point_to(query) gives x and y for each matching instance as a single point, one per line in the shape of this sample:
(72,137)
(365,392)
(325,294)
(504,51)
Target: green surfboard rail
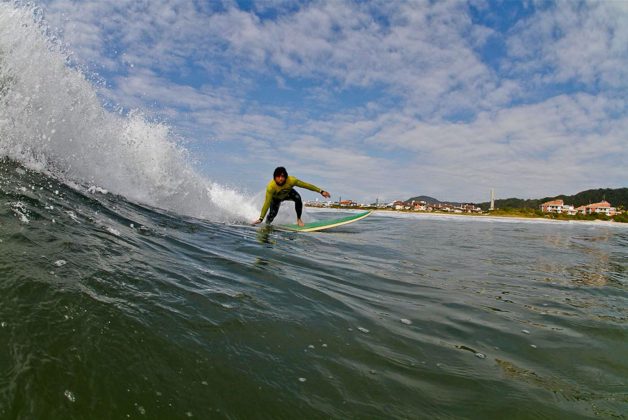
(325,224)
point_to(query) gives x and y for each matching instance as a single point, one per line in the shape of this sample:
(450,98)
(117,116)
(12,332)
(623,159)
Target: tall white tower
(492,199)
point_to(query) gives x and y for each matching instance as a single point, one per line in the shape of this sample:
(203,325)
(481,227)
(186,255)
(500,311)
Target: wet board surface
(324,224)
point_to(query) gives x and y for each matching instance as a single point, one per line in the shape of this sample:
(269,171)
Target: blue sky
(367,99)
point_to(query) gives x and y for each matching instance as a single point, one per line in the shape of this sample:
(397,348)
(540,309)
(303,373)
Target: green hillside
(427,199)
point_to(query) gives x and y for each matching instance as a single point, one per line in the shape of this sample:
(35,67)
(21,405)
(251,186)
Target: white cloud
(425,54)
(200,66)
(583,42)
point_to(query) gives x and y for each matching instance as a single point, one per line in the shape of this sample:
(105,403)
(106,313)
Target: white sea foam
(69,395)
(52,120)
(94,189)
(112,231)
(19,209)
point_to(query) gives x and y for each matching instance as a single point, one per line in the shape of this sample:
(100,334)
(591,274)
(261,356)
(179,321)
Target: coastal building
(603,207)
(470,208)
(399,205)
(558,206)
(347,203)
(419,206)
(554,206)
(318,203)
(570,210)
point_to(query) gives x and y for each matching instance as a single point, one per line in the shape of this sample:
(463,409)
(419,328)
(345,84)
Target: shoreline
(486,217)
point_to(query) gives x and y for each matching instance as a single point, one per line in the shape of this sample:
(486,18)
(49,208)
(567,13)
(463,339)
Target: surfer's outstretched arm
(267,201)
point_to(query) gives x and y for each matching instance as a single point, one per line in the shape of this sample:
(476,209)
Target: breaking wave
(52,121)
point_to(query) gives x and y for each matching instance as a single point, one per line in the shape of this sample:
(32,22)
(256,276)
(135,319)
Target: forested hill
(618,197)
(427,199)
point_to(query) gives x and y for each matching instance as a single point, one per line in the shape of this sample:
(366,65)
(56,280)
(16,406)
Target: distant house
(558,206)
(418,206)
(470,208)
(444,207)
(554,206)
(570,210)
(595,208)
(347,203)
(399,205)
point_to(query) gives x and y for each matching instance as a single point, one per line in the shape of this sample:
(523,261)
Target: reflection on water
(595,269)
(264,235)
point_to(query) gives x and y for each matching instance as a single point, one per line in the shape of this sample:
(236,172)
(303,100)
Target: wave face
(52,120)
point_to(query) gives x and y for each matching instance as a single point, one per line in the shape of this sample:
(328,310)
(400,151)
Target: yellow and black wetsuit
(275,194)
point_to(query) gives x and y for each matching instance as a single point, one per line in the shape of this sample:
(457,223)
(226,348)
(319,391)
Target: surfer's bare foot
(300,222)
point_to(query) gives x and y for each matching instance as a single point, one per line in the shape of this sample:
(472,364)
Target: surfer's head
(280,175)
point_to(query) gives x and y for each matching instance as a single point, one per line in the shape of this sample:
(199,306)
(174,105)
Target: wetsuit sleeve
(310,187)
(269,197)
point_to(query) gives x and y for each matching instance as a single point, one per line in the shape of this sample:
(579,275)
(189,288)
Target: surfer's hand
(257,222)
(325,194)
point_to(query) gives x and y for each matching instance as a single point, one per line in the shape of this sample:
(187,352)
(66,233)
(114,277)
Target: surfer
(281,189)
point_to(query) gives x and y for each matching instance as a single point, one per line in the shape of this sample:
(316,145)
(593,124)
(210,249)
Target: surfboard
(324,224)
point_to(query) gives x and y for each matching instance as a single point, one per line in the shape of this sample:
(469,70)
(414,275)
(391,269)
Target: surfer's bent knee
(298,203)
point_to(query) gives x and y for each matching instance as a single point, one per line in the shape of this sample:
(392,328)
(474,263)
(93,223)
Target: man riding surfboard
(281,189)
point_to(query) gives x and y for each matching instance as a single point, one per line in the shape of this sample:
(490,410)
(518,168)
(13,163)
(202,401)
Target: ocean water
(110,309)
(132,287)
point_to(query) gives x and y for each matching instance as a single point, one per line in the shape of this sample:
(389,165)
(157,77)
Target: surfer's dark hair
(280,170)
